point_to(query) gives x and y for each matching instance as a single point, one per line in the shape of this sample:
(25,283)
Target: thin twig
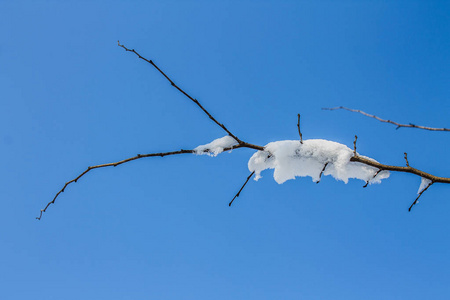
(388,121)
(321,172)
(182,91)
(115,164)
(299,132)
(354,145)
(406,159)
(238,193)
(420,194)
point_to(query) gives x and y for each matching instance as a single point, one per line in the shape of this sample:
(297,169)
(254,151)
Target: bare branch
(354,145)
(115,164)
(182,91)
(238,193)
(299,132)
(420,194)
(388,121)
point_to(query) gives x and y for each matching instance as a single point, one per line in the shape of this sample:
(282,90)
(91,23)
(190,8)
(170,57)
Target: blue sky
(160,228)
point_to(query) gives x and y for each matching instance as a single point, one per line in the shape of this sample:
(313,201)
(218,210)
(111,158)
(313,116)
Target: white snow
(216,147)
(423,184)
(290,159)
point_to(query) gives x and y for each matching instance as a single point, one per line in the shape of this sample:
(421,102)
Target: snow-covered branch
(289,159)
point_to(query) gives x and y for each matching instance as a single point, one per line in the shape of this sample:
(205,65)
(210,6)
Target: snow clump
(290,159)
(216,147)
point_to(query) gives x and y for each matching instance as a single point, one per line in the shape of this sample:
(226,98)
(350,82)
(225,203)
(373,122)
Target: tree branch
(242,144)
(388,121)
(182,91)
(115,164)
(411,170)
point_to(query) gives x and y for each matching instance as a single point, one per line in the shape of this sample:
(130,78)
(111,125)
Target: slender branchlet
(182,91)
(321,172)
(115,164)
(238,193)
(354,145)
(388,121)
(420,194)
(299,131)
(406,159)
(373,177)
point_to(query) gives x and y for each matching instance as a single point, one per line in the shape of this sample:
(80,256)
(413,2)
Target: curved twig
(115,164)
(388,121)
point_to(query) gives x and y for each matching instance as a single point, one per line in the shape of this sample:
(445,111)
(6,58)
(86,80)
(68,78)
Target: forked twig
(388,121)
(238,193)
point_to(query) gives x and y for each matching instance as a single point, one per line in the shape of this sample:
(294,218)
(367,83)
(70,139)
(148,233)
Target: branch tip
(410,125)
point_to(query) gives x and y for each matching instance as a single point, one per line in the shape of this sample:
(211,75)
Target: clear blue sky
(160,228)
